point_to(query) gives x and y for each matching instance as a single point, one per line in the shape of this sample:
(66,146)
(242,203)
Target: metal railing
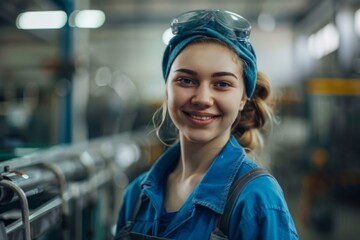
(54,185)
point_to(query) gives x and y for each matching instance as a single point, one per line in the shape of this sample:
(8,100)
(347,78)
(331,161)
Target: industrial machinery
(70,191)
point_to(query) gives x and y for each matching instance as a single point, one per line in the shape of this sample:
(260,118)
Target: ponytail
(256,114)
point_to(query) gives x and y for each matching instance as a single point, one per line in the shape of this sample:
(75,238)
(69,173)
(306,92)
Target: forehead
(210,55)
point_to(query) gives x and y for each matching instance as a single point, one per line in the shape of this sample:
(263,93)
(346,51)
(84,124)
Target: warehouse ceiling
(9,10)
(158,11)
(24,52)
(123,11)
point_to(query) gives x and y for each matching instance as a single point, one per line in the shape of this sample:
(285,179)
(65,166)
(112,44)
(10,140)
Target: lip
(201,118)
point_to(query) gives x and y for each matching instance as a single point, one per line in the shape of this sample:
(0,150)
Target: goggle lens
(230,24)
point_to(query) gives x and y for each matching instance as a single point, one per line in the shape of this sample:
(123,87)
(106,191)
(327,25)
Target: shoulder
(262,209)
(133,189)
(263,192)
(130,198)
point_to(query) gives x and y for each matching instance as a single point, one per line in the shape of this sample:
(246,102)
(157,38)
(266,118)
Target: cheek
(230,105)
(173,102)
(169,95)
(177,96)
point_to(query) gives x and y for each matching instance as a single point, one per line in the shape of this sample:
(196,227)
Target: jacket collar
(213,189)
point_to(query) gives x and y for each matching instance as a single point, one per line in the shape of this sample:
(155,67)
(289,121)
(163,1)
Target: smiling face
(205,92)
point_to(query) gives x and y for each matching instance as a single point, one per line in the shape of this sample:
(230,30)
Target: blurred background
(80,81)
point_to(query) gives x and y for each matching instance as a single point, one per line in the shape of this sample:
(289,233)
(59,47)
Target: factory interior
(78,93)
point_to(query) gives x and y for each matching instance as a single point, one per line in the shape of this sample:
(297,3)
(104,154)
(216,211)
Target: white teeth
(200,118)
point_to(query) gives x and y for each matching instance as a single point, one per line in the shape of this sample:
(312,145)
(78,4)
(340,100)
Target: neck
(196,158)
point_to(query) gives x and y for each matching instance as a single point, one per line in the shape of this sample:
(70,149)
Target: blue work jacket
(260,213)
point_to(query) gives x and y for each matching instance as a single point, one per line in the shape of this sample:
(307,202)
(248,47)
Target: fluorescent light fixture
(324,41)
(41,20)
(167,35)
(357,22)
(89,18)
(266,22)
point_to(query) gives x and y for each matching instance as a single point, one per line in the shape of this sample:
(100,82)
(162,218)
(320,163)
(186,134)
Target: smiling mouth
(201,117)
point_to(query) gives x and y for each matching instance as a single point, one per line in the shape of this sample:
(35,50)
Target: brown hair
(253,119)
(250,121)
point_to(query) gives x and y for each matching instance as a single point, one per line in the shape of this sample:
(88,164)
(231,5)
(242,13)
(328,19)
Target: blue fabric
(243,48)
(260,213)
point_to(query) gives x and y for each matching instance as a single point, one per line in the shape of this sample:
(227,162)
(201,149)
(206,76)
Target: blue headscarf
(242,48)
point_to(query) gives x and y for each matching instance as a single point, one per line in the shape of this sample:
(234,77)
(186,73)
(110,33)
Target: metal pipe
(63,189)
(31,180)
(24,206)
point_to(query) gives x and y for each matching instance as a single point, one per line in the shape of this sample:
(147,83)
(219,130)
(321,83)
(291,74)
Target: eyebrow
(217,74)
(220,74)
(188,71)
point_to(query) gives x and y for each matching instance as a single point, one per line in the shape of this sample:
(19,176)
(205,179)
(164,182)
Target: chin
(201,137)
(197,137)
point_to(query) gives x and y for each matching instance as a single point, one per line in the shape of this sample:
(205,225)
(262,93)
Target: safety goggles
(230,24)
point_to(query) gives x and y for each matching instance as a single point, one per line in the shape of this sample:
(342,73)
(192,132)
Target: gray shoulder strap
(224,221)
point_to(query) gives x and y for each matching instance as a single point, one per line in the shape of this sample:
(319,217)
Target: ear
(242,104)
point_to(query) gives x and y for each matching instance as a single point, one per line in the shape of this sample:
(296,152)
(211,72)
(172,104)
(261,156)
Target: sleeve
(130,198)
(261,212)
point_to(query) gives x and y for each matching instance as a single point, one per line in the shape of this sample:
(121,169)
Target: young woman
(217,101)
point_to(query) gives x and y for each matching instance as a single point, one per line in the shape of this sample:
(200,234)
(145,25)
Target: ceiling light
(89,18)
(357,22)
(324,41)
(41,20)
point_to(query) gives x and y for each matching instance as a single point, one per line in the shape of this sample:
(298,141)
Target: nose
(203,96)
